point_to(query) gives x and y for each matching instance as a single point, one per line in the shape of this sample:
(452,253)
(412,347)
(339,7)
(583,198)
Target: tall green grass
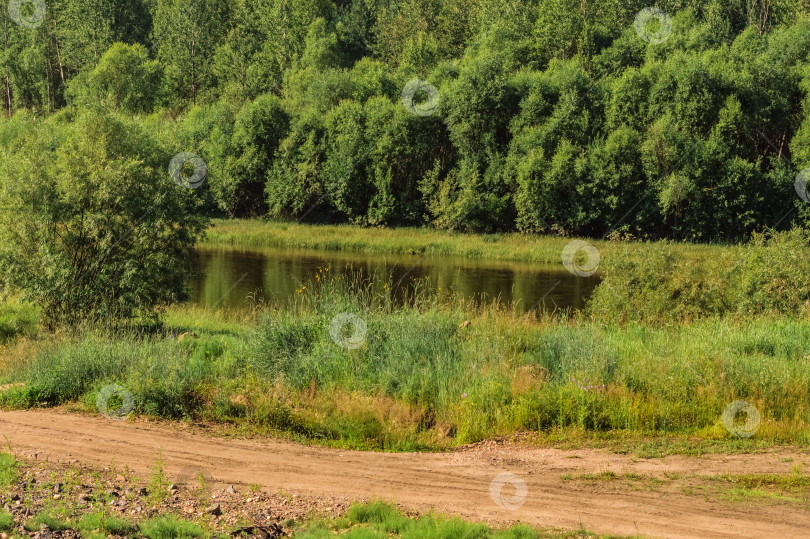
(6,521)
(382,520)
(167,527)
(508,246)
(418,380)
(17,320)
(8,469)
(501,377)
(167,378)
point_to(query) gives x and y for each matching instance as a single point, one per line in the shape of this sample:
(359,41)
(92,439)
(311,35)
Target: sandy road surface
(457,483)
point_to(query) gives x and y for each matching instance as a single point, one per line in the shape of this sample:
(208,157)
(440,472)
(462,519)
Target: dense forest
(686,120)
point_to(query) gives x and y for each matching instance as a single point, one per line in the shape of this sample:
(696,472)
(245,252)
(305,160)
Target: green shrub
(46,517)
(8,469)
(102,246)
(6,521)
(655,285)
(17,320)
(769,275)
(125,77)
(170,528)
(109,525)
(773,275)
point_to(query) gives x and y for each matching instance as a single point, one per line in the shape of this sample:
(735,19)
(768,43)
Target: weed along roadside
(75,501)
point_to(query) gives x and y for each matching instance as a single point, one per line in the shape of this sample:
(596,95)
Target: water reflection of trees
(230,276)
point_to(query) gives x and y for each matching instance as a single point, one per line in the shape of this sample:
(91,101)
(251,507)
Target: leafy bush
(656,286)
(257,132)
(92,224)
(773,276)
(769,275)
(125,77)
(16,320)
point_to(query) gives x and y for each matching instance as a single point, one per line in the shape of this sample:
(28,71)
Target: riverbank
(420,241)
(345,367)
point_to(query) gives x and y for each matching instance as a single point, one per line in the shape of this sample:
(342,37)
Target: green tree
(31,75)
(92,224)
(295,187)
(259,128)
(85,30)
(186,34)
(124,77)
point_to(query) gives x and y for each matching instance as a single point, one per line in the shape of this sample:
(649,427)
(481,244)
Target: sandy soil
(463,482)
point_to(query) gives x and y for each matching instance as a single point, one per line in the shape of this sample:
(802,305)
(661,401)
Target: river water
(228,277)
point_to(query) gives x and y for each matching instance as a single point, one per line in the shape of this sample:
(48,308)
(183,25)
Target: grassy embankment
(514,247)
(666,344)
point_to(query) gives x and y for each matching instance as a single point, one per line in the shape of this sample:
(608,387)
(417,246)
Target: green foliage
(207,130)
(186,33)
(158,485)
(109,525)
(773,276)
(46,517)
(6,521)
(17,320)
(257,132)
(170,528)
(8,470)
(768,276)
(658,286)
(550,116)
(171,389)
(87,28)
(92,223)
(125,78)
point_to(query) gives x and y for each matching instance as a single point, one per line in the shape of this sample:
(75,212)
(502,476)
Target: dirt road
(459,483)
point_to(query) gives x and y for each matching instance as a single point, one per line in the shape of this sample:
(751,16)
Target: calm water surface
(230,277)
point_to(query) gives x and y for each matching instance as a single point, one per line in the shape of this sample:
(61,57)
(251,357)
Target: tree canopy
(688,120)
